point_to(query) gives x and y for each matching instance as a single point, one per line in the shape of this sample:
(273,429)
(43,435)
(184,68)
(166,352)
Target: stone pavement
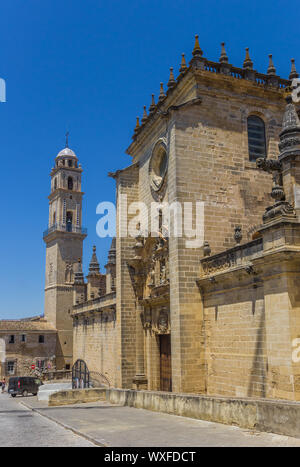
(21,427)
(113,425)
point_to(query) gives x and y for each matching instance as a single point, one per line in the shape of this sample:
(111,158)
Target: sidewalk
(113,425)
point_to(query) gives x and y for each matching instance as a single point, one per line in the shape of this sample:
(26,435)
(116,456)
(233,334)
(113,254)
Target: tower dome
(66,152)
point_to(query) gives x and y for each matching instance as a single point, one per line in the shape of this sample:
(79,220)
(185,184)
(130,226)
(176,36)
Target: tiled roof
(22,325)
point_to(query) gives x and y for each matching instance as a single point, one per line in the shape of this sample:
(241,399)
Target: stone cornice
(60,191)
(65,168)
(62,233)
(115,175)
(172,97)
(260,84)
(95,305)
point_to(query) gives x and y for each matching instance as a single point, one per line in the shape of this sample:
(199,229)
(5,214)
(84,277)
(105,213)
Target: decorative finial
(290,121)
(145,116)
(197,50)
(290,134)
(162,92)
(183,66)
(223,57)
(67,139)
(171,82)
(94,265)
(152,106)
(137,126)
(248,64)
(271,67)
(293,73)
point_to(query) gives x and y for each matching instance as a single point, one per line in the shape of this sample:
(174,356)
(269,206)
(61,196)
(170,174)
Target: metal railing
(65,228)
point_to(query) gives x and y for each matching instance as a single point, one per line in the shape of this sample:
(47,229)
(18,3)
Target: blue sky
(90,66)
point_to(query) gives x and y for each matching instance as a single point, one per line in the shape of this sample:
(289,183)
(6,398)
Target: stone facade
(26,343)
(95,338)
(216,317)
(95,331)
(250,293)
(202,124)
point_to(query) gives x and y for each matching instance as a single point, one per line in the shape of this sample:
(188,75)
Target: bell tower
(64,238)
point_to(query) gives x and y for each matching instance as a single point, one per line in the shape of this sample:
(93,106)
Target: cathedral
(220,318)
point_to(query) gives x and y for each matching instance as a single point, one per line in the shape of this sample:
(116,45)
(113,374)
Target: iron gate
(80,375)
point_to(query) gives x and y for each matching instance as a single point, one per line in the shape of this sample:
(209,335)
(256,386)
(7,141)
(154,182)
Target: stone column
(139,380)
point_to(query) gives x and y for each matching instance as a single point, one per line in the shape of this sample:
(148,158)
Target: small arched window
(55,183)
(70,183)
(69,221)
(54,218)
(256,138)
(70,162)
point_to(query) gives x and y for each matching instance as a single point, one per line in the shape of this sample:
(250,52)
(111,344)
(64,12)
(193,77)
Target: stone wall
(207,144)
(235,342)
(95,342)
(254,414)
(251,309)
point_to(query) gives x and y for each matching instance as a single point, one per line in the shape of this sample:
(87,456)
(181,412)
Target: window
(67,366)
(11,339)
(10,367)
(23,338)
(69,162)
(256,138)
(41,339)
(55,183)
(158,166)
(70,183)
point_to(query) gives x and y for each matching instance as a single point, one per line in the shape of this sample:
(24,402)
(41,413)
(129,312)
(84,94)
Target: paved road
(114,425)
(22,427)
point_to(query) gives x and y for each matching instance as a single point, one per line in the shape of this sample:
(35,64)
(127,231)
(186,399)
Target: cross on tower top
(67,139)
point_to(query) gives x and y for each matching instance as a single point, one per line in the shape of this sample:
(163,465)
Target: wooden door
(165,363)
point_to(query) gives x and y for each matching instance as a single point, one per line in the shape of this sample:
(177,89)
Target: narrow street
(22,427)
(117,426)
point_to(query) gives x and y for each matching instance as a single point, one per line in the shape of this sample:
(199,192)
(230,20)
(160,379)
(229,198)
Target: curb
(67,427)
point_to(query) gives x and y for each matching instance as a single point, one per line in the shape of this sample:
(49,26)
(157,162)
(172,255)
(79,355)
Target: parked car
(23,385)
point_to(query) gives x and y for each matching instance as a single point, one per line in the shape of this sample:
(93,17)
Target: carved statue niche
(163,322)
(147,318)
(69,272)
(162,271)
